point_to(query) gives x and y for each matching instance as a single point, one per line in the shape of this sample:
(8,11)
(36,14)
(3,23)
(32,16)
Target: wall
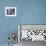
(28,12)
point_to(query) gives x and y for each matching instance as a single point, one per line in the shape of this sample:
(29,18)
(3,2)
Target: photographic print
(10,11)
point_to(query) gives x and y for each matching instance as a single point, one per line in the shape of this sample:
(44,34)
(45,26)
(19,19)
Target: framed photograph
(10,11)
